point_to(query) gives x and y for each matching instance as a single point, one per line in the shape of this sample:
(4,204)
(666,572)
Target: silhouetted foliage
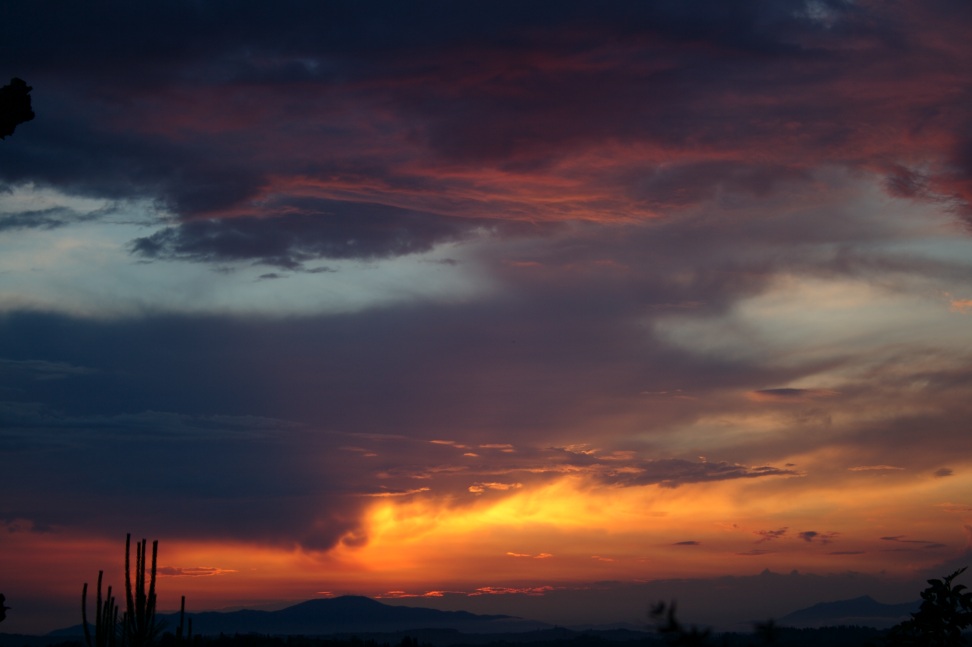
(667,624)
(15,106)
(945,612)
(767,633)
(3,607)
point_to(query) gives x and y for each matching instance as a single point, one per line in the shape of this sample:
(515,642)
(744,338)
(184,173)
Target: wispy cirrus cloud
(193,571)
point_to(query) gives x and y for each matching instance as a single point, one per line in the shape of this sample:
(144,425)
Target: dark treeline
(781,637)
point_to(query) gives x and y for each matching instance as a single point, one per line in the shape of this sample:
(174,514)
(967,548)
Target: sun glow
(535,531)
(571,529)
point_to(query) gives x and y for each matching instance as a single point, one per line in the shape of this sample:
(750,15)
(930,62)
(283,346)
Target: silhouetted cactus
(181,632)
(106,617)
(138,625)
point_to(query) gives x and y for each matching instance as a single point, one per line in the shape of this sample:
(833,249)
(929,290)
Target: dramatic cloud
(487,301)
(341,231)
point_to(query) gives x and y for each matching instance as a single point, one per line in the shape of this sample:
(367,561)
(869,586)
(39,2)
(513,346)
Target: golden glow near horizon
(569,529)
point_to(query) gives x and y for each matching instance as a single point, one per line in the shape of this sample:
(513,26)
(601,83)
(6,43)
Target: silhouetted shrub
(945,612)
(667,624)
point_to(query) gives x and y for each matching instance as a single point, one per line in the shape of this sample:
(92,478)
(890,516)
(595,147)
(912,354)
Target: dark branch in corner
(15,106)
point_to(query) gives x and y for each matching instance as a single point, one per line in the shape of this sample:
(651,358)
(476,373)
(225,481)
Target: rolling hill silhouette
(864,611)
(340,615)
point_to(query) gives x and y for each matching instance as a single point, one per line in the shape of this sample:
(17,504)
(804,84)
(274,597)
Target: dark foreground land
(781,637)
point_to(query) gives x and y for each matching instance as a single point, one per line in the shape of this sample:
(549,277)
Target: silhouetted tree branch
(14,106)
(667,624)
(945,612)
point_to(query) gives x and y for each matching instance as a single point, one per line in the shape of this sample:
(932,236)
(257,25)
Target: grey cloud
(177,475)
(791,394)
(42,369)
(770,535)
(332,230)
(191,571)
(500,470)
(810,536)
(907,183)
(920,544)
(691,183)
(673,473)
(43,219)
(297,78)
(269,480)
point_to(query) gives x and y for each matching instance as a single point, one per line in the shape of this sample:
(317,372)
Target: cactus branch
(105,619)
(140,627)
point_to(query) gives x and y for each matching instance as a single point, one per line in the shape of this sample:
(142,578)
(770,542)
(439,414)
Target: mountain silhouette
(340,615)
(864,611)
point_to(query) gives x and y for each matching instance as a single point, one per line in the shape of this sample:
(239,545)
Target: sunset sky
(543,308)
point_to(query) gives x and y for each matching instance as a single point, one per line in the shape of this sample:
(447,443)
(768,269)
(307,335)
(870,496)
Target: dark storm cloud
(565,348)
(342,230)
(264,480)
(210,436)
(411,359)
(180,475)
(371,130)
(511,466)
(214,111)
(50,217)
(673,473)
(41,219)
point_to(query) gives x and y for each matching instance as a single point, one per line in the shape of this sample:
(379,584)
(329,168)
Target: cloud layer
(537,294)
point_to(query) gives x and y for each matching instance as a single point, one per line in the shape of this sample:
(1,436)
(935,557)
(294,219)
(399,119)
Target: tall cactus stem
(140,626)
(180,631)
(105,618)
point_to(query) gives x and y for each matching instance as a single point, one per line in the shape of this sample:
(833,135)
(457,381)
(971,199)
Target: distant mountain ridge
(361,615)
(864,611)
(340,615)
